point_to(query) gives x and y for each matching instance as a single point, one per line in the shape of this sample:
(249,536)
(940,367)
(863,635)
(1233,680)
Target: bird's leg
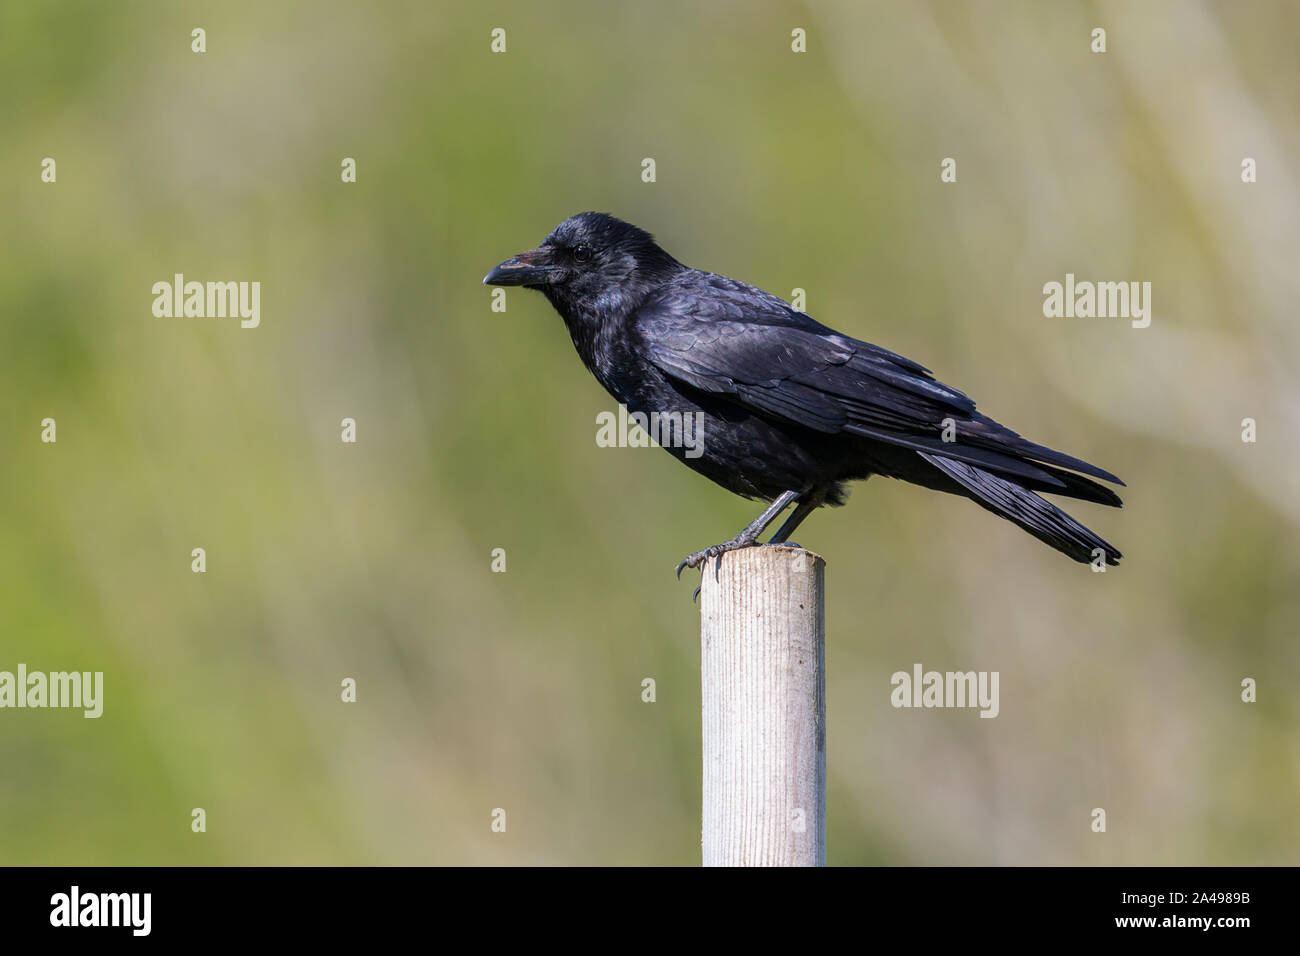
(746,537)
(805,507)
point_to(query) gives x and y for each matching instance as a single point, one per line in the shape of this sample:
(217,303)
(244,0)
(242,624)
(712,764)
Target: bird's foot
(718,550)
(715,551)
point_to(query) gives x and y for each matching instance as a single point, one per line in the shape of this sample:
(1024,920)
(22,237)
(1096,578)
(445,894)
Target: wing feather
(754,349)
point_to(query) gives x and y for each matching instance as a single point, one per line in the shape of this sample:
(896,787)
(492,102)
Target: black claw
(696,594)
(701,558)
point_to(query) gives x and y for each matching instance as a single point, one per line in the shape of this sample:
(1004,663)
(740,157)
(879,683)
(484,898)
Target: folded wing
(754,349)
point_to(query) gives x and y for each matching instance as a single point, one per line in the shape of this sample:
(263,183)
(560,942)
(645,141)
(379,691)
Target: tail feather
(1076,486)
(984,431)
(1018,504)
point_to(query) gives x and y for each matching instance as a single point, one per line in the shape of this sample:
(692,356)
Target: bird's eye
(581,253)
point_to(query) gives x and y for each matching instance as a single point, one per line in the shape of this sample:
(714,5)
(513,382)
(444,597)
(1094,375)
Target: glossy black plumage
(789,405)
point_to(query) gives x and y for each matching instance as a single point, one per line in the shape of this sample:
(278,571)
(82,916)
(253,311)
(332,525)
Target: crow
(788,409)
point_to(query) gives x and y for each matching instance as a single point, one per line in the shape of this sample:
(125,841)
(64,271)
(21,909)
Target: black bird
(790,409)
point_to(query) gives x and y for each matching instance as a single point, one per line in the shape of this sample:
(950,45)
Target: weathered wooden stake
(763,676)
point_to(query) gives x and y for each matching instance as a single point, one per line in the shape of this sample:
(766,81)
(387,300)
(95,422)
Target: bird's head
(589,262)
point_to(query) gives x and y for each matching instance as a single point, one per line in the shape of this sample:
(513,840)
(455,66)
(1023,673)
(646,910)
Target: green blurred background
(476,429)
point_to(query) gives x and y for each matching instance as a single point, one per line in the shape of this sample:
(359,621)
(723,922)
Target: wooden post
(763,676)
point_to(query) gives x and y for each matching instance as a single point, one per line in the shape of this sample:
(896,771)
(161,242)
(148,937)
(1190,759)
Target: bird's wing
(735,341)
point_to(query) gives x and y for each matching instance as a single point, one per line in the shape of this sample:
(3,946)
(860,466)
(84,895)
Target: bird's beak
(532,268)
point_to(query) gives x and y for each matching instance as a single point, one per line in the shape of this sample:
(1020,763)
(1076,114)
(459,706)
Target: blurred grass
(522,690)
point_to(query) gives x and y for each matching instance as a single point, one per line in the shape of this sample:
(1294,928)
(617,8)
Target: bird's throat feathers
(595,327)
(596,315)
